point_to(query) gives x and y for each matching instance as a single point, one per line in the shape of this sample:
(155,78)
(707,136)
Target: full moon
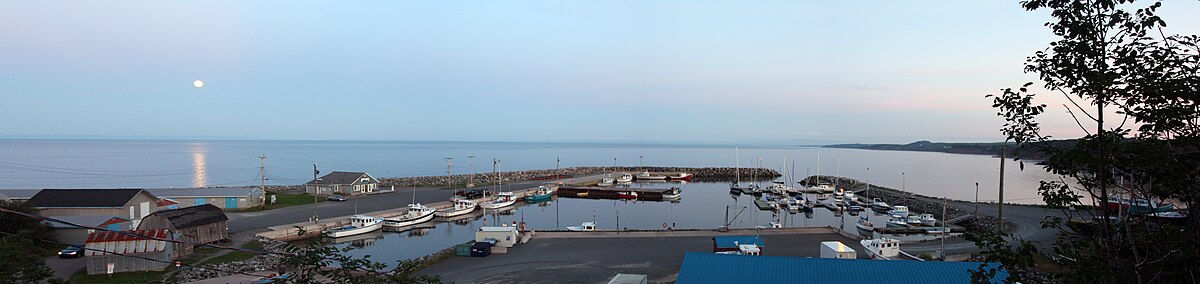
(198,84)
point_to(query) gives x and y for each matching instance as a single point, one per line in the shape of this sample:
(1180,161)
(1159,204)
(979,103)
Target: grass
(283,200)
(124,277)
(237,255)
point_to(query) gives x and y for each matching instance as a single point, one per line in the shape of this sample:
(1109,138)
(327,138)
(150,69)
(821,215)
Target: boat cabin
(749,249)
(734,243)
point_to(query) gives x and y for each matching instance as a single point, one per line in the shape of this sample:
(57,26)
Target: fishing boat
(647,176)
(416,214)
(899,211)
(793,204)
(542,193)
(585,227)
(680,176)
(821,188)
(359,224)
(927,219)
(672,193)
(627,195)
(608,180)
(913,220)
(461,207)
(852,205)
(936,230)
(864,224)
(503,199)
(881,248)
(879,205)
(625,178)
(1137,206)
(897,223)
(850,196)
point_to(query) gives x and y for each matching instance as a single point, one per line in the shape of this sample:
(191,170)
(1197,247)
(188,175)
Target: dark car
(71,251)
(336,197)
(474,193)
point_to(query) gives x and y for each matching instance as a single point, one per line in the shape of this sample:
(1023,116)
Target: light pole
(976,200)
(316,189)
(471,162)
(903,184)
(448,183)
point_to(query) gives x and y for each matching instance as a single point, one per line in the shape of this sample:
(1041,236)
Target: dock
(601,192)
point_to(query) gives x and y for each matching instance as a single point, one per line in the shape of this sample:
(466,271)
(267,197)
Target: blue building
(701,267)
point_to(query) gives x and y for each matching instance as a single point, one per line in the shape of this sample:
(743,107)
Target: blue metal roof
(727,242)
(724,268)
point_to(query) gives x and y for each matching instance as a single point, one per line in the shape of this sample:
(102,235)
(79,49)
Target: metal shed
(113,252)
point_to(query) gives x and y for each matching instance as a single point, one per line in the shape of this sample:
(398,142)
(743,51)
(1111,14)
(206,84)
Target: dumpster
(481,249)
(462,250)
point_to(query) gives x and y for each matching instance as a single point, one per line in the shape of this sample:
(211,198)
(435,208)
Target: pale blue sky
(788,72)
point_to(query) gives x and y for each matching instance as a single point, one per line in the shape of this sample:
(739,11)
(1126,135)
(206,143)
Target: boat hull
(453,213)
(402,222)
(537,198)
(495,205)
(354,231)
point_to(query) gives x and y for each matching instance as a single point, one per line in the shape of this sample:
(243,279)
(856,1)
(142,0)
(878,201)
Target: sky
(771,72)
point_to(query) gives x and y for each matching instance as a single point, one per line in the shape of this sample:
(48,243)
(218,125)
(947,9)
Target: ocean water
(32,164)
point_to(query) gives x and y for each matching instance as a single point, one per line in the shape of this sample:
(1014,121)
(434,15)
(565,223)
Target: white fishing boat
(882,248)
(503,199)
(850,196)
(625,178)
(821,188)
(913,220)
(359,224)
(899,211)
(897,222)
(793,204)
(607,181)
(416,214)
(864,224)
(927,219)
(647,176)
(461,206)
(585,227)
(879,205)
(673,193)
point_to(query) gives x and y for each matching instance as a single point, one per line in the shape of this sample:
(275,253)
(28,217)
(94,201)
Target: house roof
(84,220)
(193,216)
(18,193)
(728,242)
(203,192)
(101,243)
(718,268)
(86,198)
(167,202)
(341,178)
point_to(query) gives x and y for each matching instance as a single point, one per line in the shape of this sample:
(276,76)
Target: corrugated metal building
(701,267)
(222,197)
(196,224)
(128,203)
(102,245)
(18,194)
(78,235)
(344,183)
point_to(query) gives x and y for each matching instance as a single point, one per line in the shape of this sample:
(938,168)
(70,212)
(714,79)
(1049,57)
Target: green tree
(20,257)
(317,262)
(1112,56)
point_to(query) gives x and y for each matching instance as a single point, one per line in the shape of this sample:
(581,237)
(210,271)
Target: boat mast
(737,165)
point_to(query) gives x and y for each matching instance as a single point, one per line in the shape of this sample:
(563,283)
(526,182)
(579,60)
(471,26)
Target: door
(231,202)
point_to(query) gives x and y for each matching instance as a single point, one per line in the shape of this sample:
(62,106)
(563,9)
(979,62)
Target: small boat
(928,220)
(793,204)
(882,248)
(416,214)
(865,224)
(461,206)
(627,195)
(936,230)
(608,180)
(775,225)
(1138,206)
(359,224)
(625,178)
(899,211)
(503,199)
(672,193)
(585,227)
(896,222)
(821,188)
(879,205)
(850,196)
(852,205)
(680,176)
(913,220)
(542,193)
(647,176)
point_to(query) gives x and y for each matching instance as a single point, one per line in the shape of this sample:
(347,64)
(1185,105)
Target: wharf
(600,192)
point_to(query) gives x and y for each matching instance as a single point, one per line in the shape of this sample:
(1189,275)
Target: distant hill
(993,149)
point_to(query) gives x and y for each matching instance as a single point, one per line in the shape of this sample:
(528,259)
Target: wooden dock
(602,192)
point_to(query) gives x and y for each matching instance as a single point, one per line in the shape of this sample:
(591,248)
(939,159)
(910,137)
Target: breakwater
(916,203)
(706,174)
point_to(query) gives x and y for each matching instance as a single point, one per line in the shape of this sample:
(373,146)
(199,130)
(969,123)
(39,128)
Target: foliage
(20,257)
(1112,57)
(316,262)
(118,278)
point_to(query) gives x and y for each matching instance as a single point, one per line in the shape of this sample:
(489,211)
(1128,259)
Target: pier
(601,192)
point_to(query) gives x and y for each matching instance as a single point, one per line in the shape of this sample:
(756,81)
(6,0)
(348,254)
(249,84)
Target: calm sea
(177,163)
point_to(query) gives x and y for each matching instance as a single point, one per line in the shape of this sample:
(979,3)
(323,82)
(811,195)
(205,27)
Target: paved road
(64,267)
(596,260)
(256,221)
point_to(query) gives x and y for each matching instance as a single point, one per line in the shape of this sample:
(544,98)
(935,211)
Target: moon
(198,84)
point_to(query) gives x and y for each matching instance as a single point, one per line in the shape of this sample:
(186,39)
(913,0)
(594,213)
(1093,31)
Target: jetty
(601,192)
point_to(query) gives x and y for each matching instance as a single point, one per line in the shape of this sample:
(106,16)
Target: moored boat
(627,195)
(503,199)
(416,214)
(608,180)
(359,224)
(542,193)
(899,211)
(649,176)
(913,220)
(864,224)
(1169,217)
(896,222)
(680,176)
(672,193)
(585,227)
(879,205)
(625,178)
(881,248)
(461,206)
(927,219)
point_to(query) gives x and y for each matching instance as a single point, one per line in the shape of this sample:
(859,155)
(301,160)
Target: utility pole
(977,200)
(556,162)
(316,189)
(1000,203)
(943,228)
(472,169)
(262,172)
(449,184)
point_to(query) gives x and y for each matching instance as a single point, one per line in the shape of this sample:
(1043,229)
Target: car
(336,197)
(474,193)
(71,251)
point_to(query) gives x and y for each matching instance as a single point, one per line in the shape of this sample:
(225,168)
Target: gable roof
(203,192)
(18,194)
(84,198)
(84,220)
(193,216)
(342,178)
(719,268)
